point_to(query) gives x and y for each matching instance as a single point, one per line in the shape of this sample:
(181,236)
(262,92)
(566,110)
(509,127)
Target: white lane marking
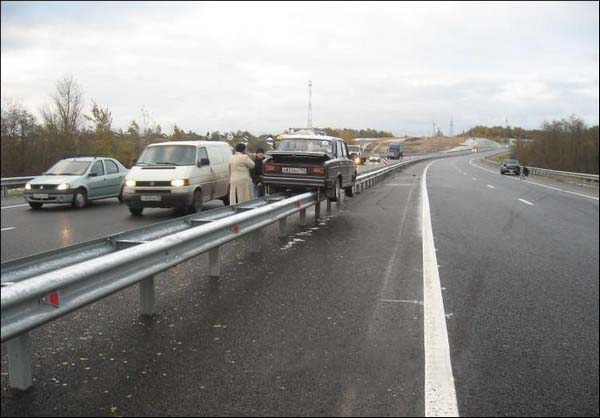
(397,184)
(15,206)
(7,229)
(474,178)
(490,186)
(416,302)
(440,393)
(536,183)
(526,202)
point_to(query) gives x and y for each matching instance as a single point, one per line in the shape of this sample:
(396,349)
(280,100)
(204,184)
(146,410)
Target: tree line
(567,144)
(30,146)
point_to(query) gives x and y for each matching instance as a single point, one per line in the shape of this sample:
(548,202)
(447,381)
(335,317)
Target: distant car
(356,154)
(510,167)
(77,181)
(395,151)
(374,158)
(310,161)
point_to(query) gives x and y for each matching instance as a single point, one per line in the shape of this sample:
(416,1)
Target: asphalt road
(330,320)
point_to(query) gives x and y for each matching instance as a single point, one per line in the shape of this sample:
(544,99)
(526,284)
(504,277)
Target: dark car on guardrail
(310,161)
(510,167)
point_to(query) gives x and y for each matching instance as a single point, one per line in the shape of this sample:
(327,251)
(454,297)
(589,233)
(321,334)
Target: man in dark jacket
(259,188)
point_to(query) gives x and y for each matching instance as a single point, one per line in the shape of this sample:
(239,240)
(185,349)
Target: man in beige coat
(241,187)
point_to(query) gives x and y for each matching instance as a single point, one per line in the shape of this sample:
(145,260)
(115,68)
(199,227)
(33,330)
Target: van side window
(202,154)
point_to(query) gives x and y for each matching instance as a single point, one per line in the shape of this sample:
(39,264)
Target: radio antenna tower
(309,124)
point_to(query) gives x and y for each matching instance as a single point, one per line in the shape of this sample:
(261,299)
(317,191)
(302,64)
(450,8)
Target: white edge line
(440,392)
(526,202)
(490,186)
(15,206)
(536,183)
(7,229)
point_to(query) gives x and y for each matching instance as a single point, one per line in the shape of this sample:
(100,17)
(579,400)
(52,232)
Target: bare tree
(65,116)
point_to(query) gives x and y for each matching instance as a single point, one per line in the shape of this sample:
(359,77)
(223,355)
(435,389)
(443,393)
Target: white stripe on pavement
(474,178)
(7,229)
(490,186)
(15,206)
(533,182)
(440,393)
(526,202)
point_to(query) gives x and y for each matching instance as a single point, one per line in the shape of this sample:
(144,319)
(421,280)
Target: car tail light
(270,168)
(317,170)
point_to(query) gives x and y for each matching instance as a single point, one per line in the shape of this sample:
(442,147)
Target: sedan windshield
(68,168)
(168,155)
(511,162)
(307,145)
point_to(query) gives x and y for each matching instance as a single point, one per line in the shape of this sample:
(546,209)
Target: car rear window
(307,145)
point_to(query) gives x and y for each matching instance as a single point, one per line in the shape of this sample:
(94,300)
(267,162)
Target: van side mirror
(203,161)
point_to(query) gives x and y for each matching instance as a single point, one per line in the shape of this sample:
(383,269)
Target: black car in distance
(510,167)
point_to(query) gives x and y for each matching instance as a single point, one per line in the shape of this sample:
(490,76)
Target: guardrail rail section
(44,287)
(8,182)
(547,172)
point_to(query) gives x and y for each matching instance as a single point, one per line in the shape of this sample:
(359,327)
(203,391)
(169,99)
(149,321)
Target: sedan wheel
(336,191)
(79,199)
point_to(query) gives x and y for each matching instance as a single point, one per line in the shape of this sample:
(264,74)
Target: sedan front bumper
(49,197)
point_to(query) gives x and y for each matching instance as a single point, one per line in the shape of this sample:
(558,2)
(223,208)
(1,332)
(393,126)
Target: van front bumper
(157,200)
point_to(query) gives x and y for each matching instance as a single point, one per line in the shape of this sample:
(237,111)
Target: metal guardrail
(8,182)
(44,287)
(547,172)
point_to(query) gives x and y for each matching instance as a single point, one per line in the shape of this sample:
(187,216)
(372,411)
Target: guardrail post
(147,297)
(19,362)
(255,241)
(283,228)
(303,217)
(214,263)
(317,210)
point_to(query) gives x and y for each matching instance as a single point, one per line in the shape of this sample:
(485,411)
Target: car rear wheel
(136,211)
(350,189)
(79,199)
(36,205)
(336,196)
(196,205)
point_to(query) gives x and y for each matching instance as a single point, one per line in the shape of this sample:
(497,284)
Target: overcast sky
(229,66)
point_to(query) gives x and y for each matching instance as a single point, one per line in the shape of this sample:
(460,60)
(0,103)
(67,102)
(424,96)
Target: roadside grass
(498,157)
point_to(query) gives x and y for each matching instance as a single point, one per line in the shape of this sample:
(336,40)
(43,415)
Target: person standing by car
(240,182)
(259,189)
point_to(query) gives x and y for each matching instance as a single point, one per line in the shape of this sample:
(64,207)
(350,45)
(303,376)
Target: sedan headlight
(28,186)
(130,183)
(63,186)
(180,183)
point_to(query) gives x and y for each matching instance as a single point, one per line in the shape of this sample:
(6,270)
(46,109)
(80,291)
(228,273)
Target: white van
(181,175)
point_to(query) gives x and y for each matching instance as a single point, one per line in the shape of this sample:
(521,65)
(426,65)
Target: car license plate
(293,170)
(40,196)
(151,198)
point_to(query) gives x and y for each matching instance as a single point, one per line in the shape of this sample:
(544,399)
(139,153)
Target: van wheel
(196,205)
(79,199)
(136,211)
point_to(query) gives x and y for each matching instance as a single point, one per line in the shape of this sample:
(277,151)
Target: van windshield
(168,155)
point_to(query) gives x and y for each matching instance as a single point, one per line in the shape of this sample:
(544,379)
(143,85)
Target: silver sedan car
(77,181)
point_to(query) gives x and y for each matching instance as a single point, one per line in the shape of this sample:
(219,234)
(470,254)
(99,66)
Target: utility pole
(451,125)
(309,124)
(433,130)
